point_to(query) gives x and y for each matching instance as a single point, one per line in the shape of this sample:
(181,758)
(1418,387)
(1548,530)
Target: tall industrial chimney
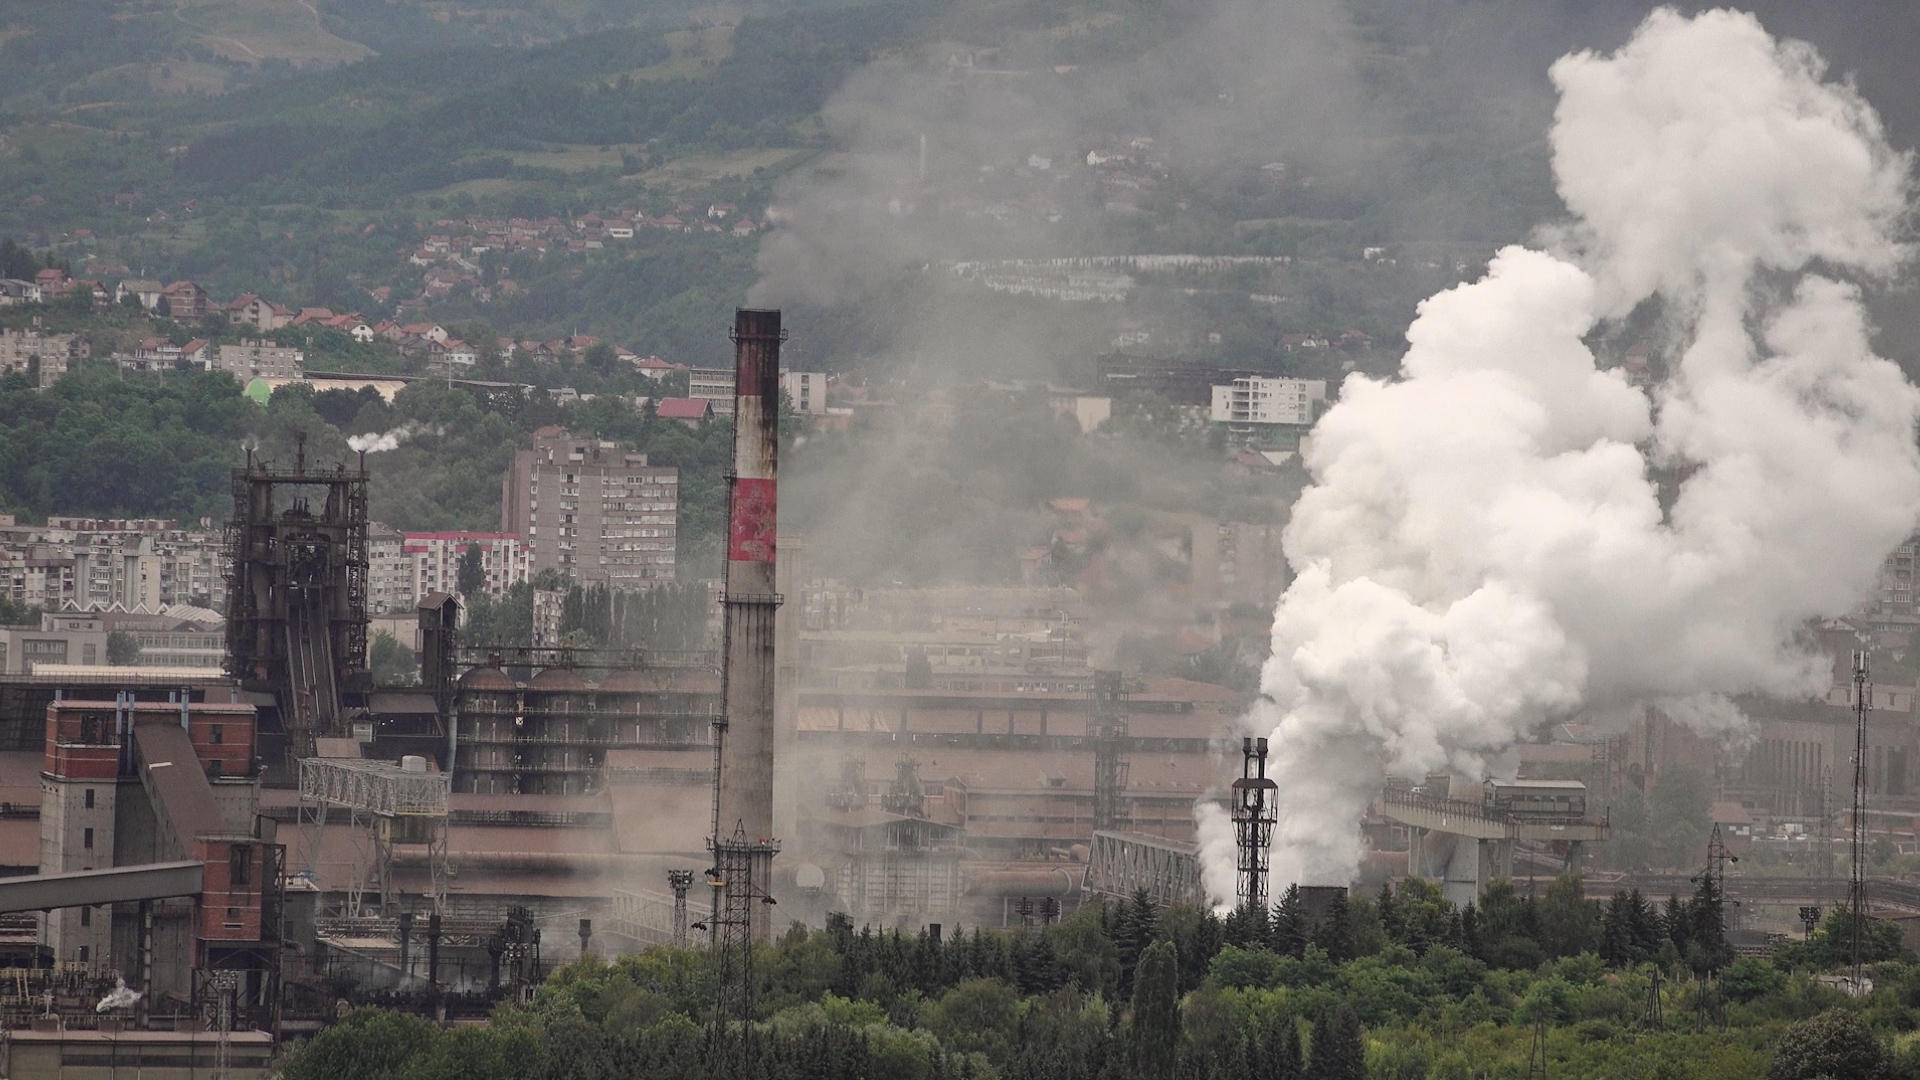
(743,843)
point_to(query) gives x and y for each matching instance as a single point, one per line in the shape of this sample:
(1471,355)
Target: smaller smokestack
(586,937)
(406,932)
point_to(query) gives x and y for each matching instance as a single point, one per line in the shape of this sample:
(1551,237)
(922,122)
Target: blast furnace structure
(297,596)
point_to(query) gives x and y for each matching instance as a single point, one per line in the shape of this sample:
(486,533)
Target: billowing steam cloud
(1485,545)
(372,443)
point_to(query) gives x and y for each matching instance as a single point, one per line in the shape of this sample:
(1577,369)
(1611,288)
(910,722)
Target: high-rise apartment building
(592,510)
(390,572)
(436,557)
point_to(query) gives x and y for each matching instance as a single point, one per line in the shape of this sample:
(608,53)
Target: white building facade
(1256,399)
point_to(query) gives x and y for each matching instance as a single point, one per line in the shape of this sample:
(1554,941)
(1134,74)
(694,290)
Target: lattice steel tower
(1857,828)
(1107,729)
(1254,816)
(680,881)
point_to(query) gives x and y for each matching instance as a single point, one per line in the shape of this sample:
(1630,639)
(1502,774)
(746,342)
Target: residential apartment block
(806,389)
(95,564)
(259,360)
(390,572)
(436,559)
(1895,595)
(1255,399)
(593,510)
(45,356)
(712,384)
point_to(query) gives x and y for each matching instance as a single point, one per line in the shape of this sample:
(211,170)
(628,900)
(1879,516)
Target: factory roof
(73,674)
(327,747)
(558,679)
(403,703)
(486,678)
(175,776)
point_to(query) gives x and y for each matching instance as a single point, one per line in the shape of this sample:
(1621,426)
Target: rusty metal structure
(1121,864)
(1857,826)
(297,595)
(742,839)
(1255,814)
(1107,731)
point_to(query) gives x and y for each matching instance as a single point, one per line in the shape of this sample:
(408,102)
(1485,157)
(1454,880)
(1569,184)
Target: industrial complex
(241,852)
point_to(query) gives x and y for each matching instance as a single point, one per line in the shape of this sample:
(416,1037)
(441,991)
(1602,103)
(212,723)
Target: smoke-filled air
(1514,532)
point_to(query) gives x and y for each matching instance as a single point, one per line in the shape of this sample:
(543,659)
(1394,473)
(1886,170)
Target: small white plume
(120,997)
(1484,547)
(372,443)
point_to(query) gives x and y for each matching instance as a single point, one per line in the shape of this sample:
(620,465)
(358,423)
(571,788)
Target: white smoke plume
(120,997)
(1484,547)
(376,443)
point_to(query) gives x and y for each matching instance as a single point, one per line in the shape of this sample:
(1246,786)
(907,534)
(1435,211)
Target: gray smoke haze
(1007,119)
(1484,549)
(862,252)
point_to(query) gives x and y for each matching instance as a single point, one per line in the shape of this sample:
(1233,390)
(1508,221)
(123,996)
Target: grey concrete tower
(743,839)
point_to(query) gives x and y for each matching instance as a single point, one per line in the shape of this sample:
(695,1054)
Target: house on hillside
(186,300)
(152,354)
(250,310)
(655,368)
(145,292)
(18,291)
(690,411)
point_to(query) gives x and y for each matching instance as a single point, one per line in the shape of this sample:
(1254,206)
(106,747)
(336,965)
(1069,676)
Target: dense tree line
(1401,986)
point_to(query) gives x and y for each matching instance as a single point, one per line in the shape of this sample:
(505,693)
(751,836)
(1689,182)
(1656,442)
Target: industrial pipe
(1059,881)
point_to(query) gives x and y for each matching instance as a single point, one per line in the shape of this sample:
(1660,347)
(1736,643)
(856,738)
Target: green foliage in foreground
(1128,992)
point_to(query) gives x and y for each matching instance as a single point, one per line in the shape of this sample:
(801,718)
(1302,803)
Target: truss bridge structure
(385,804)
(1119,864)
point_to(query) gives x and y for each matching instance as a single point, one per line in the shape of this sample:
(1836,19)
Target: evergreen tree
(1339,1049)
(1133,930)
(1709,951)
(1616,931)
(1389,910)
(1569,922)
(1677,923)
(1644,923)
(470,577)
(1290,931)
(1470,941)
(1274,1051)
(1335,933)
(1156,1012)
